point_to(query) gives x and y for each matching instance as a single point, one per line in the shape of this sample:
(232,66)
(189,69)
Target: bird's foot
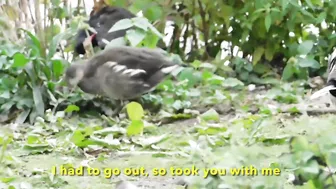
(116,111)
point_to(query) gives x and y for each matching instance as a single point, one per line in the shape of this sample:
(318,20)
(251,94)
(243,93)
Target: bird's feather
(322,92)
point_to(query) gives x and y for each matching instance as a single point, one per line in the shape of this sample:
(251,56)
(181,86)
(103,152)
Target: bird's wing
(133,58)
(120,82)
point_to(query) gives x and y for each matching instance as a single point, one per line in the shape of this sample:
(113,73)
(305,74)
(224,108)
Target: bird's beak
(322,92)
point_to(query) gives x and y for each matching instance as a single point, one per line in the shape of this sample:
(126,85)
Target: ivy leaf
(305,47)
(308,62)
(77,137)
(134,111)
(141,22)
(121,25)
(135,128)
(117,42)
(135,37)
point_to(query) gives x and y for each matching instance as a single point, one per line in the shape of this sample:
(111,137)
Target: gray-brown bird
(121,73)
(330,87)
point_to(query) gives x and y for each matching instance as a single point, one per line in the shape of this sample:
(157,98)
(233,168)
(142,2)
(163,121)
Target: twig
(185,35)
(31,14)
(315,111)
(205,29)
(193,25)
(38,26)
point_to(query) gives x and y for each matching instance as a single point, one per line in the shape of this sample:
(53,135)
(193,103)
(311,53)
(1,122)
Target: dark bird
(330,87)
(102,21)
(121,73)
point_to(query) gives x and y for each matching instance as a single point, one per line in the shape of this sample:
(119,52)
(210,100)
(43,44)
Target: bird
(121,73)
(101,21)
(330,87)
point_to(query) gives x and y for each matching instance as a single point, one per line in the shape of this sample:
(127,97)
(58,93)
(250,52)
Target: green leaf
(22,117)
(153,12)
(135,37)
(299,144)
(269,52)
(141,22)
(155,31)
(33,139)
(226,13)
(268,21)
(262,69)
(284,4)
(308,62)
(56,41)
(288,71)
(309,3)
(317,2)
(190,75)
(312,167)
(305,47)
(232,82)
(110,130)
(20,60)
(310,185)
(321,17)
(135,128)
(121,25)
(117,42)
(109,140)
(134,111)
(151,40)
(8,180)
(210,115)
(58,68)
(258,54)
(77,137)
(37,148)
(331,159)
(211,130)
(38,100)
(36,43)
(71,108)
(148,141)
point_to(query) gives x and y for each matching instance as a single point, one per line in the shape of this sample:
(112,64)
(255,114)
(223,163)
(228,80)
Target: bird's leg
(118,108)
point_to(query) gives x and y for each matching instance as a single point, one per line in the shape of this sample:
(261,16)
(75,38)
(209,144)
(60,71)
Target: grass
(237,139)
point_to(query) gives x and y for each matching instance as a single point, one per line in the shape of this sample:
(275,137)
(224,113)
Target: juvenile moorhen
(121,73)
(102,21)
